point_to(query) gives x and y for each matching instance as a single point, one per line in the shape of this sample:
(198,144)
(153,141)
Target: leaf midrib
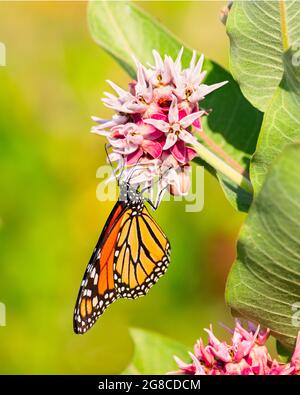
(117,29)
(283,21)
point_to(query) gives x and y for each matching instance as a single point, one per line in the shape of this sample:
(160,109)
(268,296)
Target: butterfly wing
(97,289)
(142,255)
(131,254)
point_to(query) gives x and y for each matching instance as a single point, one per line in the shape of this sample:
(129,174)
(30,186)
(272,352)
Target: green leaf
(264,281)
(123,30)
(240,199)
(153,353)
(260,31)
(283,354)
(233,124)
(281,124)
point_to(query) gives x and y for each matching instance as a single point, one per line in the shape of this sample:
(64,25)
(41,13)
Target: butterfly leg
(158,200)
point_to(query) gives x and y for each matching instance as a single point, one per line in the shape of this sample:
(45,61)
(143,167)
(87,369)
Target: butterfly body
(130,255)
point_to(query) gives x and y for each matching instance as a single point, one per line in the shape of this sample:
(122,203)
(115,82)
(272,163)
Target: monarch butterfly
(131,254)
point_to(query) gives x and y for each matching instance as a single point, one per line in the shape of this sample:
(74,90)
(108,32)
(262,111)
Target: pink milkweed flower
(124,103)
(161,72)
(188,82)
(183,182)
(137,139)
(175,127)
(246,354)
(156,121)
(241,368)
(104,124)
(204,353)
(295,360)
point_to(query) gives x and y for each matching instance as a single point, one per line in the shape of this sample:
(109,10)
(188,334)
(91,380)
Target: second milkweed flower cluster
(247,354)
(154,119)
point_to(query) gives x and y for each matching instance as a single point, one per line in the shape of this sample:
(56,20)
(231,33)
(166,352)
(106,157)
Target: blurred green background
(50,218)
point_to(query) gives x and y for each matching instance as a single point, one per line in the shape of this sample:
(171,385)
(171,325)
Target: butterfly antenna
(135,168)
(111,165)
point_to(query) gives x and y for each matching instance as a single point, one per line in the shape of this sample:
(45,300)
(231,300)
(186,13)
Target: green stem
(221,166)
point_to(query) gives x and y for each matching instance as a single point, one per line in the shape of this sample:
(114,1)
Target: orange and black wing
(142,255)
(130,256)
(97,289)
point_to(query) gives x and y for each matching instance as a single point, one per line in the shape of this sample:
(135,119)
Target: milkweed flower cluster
(246,355)
(152,127)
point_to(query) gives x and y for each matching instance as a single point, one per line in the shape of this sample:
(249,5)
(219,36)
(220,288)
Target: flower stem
(221,166)
(220,152)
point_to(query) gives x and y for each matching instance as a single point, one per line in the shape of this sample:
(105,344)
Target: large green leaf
(153,353)
(260,31)
(123,29)
(281,124)
(264,282)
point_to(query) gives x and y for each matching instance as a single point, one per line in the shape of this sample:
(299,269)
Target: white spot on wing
(95,301)
(93,273)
